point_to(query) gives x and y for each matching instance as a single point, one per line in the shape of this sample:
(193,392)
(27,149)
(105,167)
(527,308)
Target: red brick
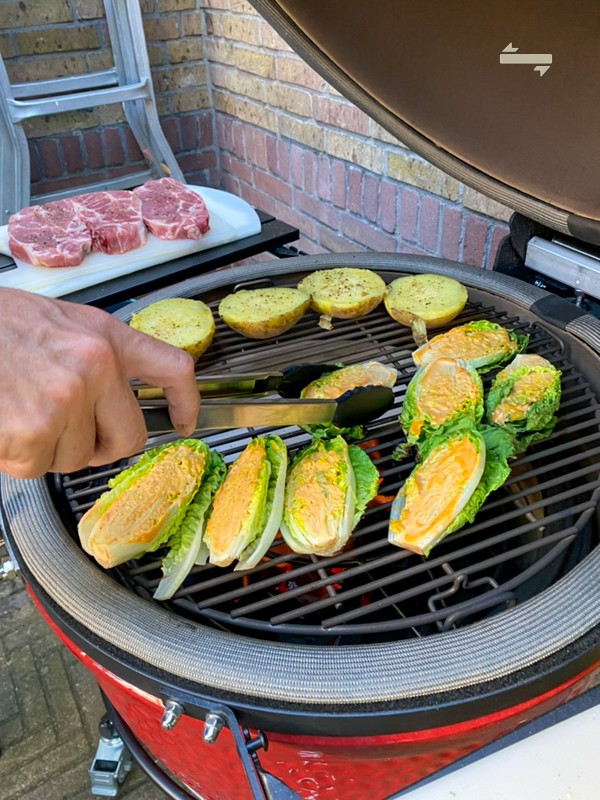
(230,183)
(451,229)
(296,166)
(205,130)
(225,132)
(338,184)
(476,231)
(71,148)
(66,183)
(238,140)
(188,130)
(429,219)
(354,184)
(334,243)
(324,177)
(132,148)
(310,171)
(260,149)
(340,114)
(315,208)
(238,168)
(498,233)
(305,225)
(51,166)
(248,138)
(409,214)
(273,187)
(410,249)
(366,234)
(171,130)
(370,200)
(271,143)
(283,159)
(203,160)
(35,171)
(113,147)
(388,206)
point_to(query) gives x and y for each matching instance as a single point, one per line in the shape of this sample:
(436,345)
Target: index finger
(159,364)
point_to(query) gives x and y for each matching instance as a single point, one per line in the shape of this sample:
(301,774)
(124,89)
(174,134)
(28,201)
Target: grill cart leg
(111,763)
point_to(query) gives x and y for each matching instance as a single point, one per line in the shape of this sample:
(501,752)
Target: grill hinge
(263,785)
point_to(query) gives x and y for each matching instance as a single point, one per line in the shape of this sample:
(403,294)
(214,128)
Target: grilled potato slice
(343,292)
(263,313)
(184,323)
(425,301)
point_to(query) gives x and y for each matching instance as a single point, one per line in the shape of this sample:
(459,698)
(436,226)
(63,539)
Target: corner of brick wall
(291,145)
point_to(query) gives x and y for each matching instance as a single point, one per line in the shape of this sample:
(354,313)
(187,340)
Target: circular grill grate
(527,535)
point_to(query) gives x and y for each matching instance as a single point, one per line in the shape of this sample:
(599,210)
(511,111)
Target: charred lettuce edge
(540,418)
(276,452)
(185,544)
(410,408)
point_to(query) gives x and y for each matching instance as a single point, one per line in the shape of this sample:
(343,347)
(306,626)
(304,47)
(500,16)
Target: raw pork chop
(171,210)
(49,235)
(114,220)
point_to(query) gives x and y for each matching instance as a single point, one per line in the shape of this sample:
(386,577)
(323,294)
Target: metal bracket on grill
(263,785)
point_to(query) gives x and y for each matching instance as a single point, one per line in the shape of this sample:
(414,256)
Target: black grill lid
(430,72)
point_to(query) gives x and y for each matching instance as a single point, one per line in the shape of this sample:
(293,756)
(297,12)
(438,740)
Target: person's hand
(65,399)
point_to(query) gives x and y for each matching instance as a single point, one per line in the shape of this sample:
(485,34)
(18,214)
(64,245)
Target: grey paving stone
(50,707)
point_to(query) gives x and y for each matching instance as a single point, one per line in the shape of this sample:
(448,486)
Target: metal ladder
(129,82)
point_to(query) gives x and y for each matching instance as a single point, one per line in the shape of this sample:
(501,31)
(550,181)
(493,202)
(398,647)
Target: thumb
(170,368)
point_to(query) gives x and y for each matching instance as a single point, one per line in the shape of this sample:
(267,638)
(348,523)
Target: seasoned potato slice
(263,313)
(184,323)
(343,292)
(435,298)
(424,301)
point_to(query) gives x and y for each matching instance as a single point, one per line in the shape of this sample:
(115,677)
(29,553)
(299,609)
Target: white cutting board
(231,218)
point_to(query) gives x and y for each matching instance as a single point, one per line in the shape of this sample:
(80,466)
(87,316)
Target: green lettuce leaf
(185,545)
(539,418)
(414,415)
(366,478)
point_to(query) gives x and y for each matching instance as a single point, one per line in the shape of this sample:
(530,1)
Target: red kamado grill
(368,670)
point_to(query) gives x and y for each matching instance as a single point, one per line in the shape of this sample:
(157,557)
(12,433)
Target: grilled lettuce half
(247,508)
(332,385)
(482,344)
(145,504)
(524,397)
(460,465)
(439,392)
(328,487)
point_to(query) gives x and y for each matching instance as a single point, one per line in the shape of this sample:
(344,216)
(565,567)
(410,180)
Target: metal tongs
(266,399)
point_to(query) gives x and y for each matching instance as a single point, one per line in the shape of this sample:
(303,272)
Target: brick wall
(56,38)
(243,112)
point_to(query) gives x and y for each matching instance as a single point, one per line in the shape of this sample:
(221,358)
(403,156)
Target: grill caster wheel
(112,762)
